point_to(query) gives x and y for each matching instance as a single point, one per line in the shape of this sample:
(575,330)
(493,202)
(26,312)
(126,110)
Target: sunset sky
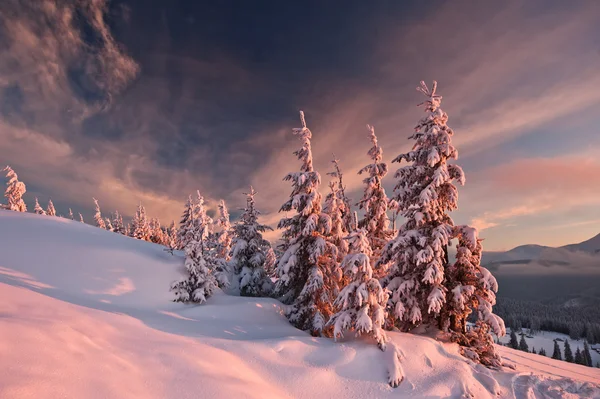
(130,101)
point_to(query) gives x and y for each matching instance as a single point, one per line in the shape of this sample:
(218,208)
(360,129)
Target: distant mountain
(583,257)
(591,246)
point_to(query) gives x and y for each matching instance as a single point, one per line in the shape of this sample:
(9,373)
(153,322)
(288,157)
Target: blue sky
(148,101)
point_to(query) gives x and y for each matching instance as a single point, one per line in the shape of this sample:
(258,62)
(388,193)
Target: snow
(86,313)
(545,339)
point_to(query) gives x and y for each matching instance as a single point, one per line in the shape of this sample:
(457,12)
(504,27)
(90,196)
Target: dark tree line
(581,322)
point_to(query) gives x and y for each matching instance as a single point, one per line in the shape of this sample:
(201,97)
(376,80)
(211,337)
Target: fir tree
(249,252)
(556,353)
(38,209)
(568,353)
(360,304)
(71,214)
(117,223)
(341,192)
(98,216)
(14,191)
(156,232)
(50,211)
(375,200)
(514,341)
(186,224)
(141,227)
(200,282)
(334,207)
(108,224)
(81,218)
(171,237)
(523,344)
(425,287)
(306,270)
(579,357)
(222,241)
(587,356)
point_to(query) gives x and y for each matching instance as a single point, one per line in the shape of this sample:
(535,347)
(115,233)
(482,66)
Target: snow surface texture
(85,313)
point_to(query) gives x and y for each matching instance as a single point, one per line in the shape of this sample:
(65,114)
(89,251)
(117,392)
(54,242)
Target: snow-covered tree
(117,223)
(200,282)
(141,227)
(171,238)
(50,211)
(186,224)
(420,275)
(334,207)
(81,218)
(71,214)
(98,216)
(375,201)
(472,287)
(250,252)
(108,224)
(38,209)
(156,232)
(360,304)
(222,241)
(306,270)
(341,191)
(14,191)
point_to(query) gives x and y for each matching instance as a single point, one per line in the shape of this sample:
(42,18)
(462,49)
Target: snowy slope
(85,313)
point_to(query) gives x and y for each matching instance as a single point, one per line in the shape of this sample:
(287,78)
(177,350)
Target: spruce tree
(141,226)
(334,207)
(514,341)
(200,282)
(171,237)
(71,214)
(523,344)
(156,232)
(361,303)
(117,223)
(425,287)
(306,270)
(50,211)
(568,352)
(222,241)
(186,224)
(341,192)
(542,352)
(14,191)
(249,252)
(587,356)
(375,201)
(108,224)
(556,353)
(579,357)
(98,216)
(38,209)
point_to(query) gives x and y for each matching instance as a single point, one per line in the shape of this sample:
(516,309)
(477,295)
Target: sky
(138,100)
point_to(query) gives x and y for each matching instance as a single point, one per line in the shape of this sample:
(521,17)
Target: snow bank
(86,313)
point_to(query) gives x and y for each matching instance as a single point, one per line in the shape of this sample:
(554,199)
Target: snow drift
(85,313)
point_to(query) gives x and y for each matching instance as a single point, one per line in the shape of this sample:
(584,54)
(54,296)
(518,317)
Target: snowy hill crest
(88,314)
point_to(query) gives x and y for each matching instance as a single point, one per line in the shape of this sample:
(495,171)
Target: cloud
(535,186)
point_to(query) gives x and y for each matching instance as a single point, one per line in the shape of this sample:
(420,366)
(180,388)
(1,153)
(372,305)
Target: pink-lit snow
(85,313)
